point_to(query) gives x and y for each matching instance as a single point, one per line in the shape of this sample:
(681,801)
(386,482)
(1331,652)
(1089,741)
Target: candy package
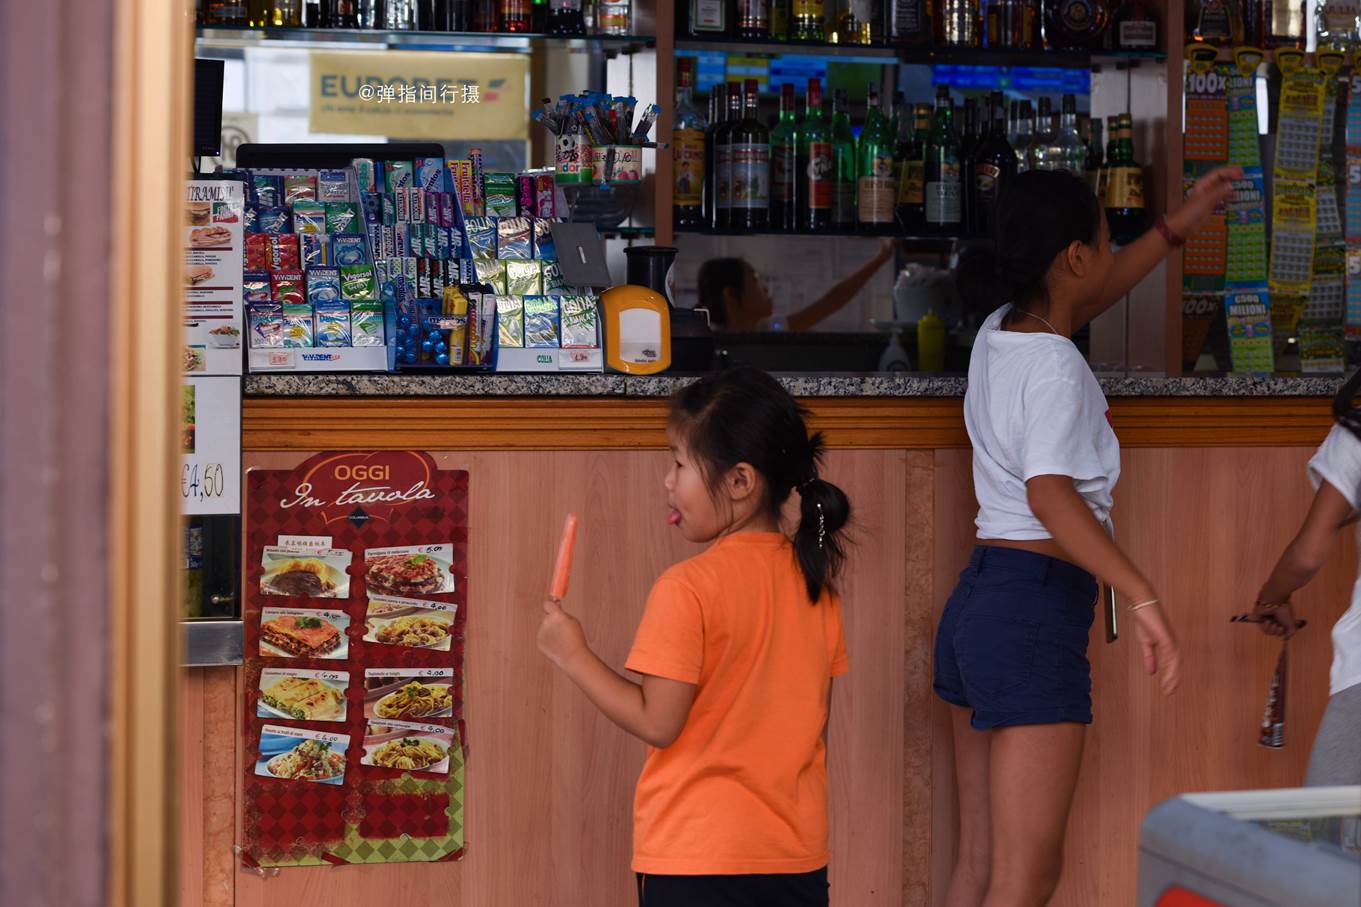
(541,322)
(256,287)
(545,194)
(400,175)
(357,282)
(389,208)
(524,278)
(430,173)
(341,217)
(481,235)
(372,204)
(308,217)
(514,239)
(283,251)
(333,186)
(287,285)
(333,324)
(500,189)
(298,327)
(266,325)
(544,248)
(510,321)
(580,321)
(323,286)
(366,323)
(272,220)
(257,252)
(366,173)
(493,274)
(315,249)
(416,205)
(349,249)
(300,187)
(267,189)
(432,214)
(552,277)
(446,209)
(250,218)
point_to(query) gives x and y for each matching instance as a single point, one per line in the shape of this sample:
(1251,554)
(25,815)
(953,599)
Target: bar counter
(1212,488)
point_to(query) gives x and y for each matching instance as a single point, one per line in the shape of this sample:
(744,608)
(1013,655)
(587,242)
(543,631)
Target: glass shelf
(521,42)
(1068,59)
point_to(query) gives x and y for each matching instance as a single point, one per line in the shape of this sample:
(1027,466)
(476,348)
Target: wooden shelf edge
(918,423)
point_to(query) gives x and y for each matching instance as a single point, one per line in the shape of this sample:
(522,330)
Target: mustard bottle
(931,343)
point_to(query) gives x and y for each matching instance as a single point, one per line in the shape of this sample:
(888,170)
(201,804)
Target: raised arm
(836,298)
(1134,261)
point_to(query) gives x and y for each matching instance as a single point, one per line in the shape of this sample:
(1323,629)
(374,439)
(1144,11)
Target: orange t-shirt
(743,789)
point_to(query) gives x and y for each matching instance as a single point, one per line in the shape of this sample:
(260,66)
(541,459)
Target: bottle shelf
(508,42)
(894,232)
(969,56)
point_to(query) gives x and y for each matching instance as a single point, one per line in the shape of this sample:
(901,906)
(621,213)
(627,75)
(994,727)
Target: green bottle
(877,190)
(845,170)
(944,195)
(784,159)
(815,165)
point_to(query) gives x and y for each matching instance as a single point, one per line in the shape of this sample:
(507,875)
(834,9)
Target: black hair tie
(806,484)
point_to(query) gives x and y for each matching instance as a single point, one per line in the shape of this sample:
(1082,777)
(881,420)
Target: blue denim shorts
(1012,643)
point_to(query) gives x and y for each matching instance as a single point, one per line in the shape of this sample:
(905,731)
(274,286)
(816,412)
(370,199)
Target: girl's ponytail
(824,511)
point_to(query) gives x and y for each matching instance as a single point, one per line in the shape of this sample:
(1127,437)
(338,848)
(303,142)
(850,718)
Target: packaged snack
(437,281)
(309,217)
(323,286)
(333,324)
(401,234)
(544,248)
(283,252)
(429,240)
(416,205)
(524,278)
(272,220)
(256,287)
(541,322)
(300,187)
(510,321)
(267,189)
(250,217)
(481,234)
(257,252)
(456,247)
(524,194)
(446,209)
(430,173)
(580,320)
(443,242)
(372,203)
(478,184)
(552,277)
(456,329)
(432,203)
(341,217)
(409,274)
(400,175)
(298,327)
(500,194)
(349,250)
(423,290)
(266,325)
(315,249)
(389,236)
(492,273)
(333,186)
(357,282)
(366,323)
(287,286)
(545,195)
(401,200)
(514,239)
(389,208)
(366,172)
(481,328)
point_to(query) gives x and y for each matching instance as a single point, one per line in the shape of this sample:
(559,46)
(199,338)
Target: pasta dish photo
(417,631)
(409,753)
(403,574)
(416,700)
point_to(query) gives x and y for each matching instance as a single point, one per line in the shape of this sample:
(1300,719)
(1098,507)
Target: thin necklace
(1046,323)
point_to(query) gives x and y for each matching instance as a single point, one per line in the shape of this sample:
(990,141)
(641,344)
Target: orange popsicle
(562,570)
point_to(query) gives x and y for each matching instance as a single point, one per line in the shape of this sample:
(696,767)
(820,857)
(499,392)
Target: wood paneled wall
(550,781)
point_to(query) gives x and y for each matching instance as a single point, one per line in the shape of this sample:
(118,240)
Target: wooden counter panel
(577,423)
(550,781)
(1206,526)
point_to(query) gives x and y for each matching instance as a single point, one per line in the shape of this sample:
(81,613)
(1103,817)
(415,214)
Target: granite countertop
(800,385)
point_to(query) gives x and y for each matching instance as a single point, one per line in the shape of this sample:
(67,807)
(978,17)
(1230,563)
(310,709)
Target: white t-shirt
(1032,408)
(1338,462)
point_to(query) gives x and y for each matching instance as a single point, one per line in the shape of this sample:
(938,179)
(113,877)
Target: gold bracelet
(1137,605)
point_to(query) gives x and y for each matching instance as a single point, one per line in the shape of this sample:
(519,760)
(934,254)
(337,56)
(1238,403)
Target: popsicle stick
(562,570)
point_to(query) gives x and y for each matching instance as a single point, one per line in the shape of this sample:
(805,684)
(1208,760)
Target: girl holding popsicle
(736,650)
(1011,647)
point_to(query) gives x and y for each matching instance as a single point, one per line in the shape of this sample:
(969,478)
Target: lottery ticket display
(1206,146)
(1352,228)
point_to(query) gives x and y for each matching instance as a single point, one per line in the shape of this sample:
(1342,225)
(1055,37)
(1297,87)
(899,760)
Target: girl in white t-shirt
(1335,471)
(1011,649)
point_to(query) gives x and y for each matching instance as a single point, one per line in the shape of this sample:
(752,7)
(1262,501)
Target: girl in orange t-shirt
(737,650)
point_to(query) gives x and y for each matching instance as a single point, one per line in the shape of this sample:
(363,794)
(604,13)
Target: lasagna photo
(415,570)
(303,633)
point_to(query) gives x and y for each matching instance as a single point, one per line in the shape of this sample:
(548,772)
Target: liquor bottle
(994,165)
(1041,152)
(912,172)
(753,20)
(968,140)
(718,107)
(259,13)
(808,21)
(723,157)
(909,22)
(876,189)
(398,15)
(815,164)
(515,16)
(943,196)
(959,23)
(687,144)
(1025,136)
(1003,23)
(854,23)
(749,160)
(339,13)
(228,12)
(1096,158)
(784,157)
(1338,24)
(565,18)
(1076,24)
(1125,187)
(709,19)
(288,14)
(486,16)
(1068,148)
(779,20)
(1135,27)
(845,167)
(1217,22)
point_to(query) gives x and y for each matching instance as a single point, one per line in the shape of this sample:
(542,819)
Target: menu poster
(210,445)
(356,601)
(213,255)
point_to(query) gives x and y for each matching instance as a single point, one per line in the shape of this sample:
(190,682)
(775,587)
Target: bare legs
(1015,790)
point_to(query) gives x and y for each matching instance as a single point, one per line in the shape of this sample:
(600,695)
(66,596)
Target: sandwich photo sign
(213,252)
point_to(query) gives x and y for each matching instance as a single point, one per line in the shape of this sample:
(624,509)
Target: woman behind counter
(737,300)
